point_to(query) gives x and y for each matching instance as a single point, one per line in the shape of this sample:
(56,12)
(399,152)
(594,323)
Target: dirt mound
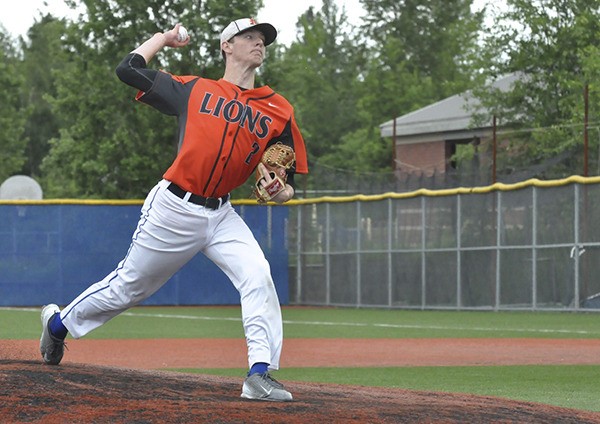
(75,393)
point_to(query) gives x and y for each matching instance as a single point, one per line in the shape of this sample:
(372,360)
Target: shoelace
(269,379)
(58,342)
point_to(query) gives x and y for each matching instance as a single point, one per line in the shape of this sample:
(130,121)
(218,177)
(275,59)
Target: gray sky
(281,14)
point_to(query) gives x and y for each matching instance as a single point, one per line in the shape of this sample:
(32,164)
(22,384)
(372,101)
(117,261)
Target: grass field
(565,385)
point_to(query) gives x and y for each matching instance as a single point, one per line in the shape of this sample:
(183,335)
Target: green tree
(108,146)
(421,52)
(43,58)
(552,45)
(13,112)
(319,73)
(434,39)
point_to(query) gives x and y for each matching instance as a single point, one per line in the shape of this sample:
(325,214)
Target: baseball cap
(244,24)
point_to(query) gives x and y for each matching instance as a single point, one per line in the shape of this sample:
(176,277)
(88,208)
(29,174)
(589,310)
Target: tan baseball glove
(271,176)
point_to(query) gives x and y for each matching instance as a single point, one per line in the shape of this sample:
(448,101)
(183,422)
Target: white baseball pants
(169,233)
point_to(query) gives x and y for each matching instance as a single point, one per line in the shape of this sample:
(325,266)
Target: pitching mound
(74,393)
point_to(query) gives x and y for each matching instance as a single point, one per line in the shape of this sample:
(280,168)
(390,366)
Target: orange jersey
(223,130)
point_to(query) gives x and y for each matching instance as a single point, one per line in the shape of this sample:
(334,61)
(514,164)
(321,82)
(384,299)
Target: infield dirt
(97,384)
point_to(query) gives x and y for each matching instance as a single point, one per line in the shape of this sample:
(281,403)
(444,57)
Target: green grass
(567,386)
(225,322)
(365,323)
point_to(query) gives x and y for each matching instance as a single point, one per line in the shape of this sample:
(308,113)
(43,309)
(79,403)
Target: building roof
(450,115)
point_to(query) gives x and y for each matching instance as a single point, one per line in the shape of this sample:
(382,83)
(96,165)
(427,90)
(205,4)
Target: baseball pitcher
(224,129)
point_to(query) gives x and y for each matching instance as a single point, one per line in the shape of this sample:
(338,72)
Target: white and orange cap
(244,24)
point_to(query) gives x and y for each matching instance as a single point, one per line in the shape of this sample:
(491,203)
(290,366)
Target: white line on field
(351,324)
(362,324)
(193,317)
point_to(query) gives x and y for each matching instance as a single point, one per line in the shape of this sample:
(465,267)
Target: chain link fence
(532,245)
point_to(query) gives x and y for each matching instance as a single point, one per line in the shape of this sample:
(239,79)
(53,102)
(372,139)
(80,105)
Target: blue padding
(51,253)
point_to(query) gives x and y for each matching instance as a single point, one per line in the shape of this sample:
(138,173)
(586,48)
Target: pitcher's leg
(157,251)
(235,250)
(261,315)
(138,276)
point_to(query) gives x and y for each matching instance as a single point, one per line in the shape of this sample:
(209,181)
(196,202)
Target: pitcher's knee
(258,274)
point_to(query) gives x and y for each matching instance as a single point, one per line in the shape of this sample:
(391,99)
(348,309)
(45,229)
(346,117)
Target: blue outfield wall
(49,253)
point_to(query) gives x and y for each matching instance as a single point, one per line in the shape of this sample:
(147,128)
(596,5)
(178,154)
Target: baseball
(183,34)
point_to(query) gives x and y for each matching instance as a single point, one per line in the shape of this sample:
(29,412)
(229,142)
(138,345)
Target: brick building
(426,139)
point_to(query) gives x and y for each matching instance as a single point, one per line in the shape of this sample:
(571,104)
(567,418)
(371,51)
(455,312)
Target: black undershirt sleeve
(132,71)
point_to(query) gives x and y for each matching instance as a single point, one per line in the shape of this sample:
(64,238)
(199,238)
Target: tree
(552,45)
(108,146)
(433,39)
(43,59)
(319,73)
(13,141)
(421,52)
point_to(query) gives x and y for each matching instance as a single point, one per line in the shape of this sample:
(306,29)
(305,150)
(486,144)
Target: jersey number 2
(255,149)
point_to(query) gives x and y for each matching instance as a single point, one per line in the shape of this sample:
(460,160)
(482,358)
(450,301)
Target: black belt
(208,202)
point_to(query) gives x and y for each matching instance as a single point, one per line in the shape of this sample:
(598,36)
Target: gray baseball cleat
(264,387)
(52,349)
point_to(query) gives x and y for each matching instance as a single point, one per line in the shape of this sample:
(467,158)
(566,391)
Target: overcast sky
(18,18)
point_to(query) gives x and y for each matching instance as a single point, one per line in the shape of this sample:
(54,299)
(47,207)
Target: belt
(208,202)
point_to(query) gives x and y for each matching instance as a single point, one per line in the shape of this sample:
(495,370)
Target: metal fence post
(328,253)
(577,249)
(423,262)
(358,253)
(389,254)
(299,233)
(498,245)
(534,249)
(458,253)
